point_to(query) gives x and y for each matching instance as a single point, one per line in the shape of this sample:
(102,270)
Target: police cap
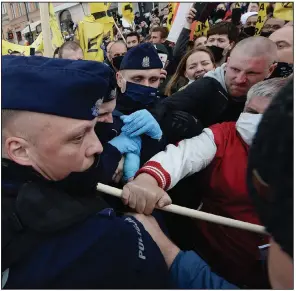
(67,88)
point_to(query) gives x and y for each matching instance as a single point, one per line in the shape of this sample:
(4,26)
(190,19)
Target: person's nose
(199,68)
(95,146)
(145,82)
(241,78)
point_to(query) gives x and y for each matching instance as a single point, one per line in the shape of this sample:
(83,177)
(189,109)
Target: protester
(71,50)
(253,7)
(237,256)
(159,35)
(222,37)
(49,159)
(132,39)
(249,21)
(271,25)
(192,67)
(221,94)
(108,46)
(283,38)
(270,172)
(270,184)
(116,53)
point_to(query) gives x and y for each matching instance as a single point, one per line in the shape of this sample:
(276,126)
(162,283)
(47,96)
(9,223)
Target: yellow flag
(283,11)
(128,12)
(90,36)
(56,36)
(8,47)
(261,17)
(237,5)
(201,28)
(38,43)
(172,8)
(100,12)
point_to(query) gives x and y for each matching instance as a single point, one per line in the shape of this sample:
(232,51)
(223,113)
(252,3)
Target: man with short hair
(221,94)
(283,38)
(222,37)
(132,39)
(116,53)
(159,35)
(57,233)
(71,50)
(221,151)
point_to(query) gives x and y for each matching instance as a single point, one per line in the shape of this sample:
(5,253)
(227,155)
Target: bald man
(221,94)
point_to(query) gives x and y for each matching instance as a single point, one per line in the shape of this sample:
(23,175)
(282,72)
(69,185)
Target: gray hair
(267,88)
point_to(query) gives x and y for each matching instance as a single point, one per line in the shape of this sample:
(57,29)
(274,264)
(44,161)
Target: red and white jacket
(223,152)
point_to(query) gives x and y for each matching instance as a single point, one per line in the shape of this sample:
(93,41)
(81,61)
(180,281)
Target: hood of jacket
(219,75)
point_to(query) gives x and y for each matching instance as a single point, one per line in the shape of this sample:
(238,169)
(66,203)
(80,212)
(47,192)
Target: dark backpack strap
(41,213)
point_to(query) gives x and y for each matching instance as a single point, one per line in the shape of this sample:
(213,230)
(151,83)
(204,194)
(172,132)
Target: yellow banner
(261,17)
(128,12)
(172,8)
(101,8)
(201,28)
(283,11)
(90,35)
(56,36)
(8,47)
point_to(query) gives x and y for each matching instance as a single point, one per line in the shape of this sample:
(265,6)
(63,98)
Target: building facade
(21,20)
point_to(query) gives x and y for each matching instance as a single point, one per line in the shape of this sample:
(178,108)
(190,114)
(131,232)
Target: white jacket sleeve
(176,162)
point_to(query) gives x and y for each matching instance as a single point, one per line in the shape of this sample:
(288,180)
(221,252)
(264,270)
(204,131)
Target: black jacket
(206,100)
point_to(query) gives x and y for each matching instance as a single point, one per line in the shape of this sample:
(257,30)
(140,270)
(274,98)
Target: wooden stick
(44,16)
(193,213)
(119,31)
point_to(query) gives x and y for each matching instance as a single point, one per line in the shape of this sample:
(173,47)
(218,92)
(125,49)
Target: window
(18,5)
(12,10)
(22,9)
(28,6)
(37,5)
(4,11)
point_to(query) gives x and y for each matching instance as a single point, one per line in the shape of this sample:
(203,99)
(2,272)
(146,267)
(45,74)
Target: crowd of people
(204,123)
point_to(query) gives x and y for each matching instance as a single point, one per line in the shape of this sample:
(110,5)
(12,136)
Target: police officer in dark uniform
(56,233)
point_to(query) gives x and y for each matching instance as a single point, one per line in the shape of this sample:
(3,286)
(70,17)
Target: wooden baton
(193,213)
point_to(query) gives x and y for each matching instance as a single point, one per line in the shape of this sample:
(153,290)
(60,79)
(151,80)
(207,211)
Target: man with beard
(221,94)
(56,232)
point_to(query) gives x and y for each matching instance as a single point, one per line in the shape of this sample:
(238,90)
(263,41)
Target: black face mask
(116,62)
(217,52)
(282,70)
(250,30)
(265,34)
(219,14)
(81,183)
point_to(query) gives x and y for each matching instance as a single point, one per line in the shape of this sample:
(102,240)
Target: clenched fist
(143,194)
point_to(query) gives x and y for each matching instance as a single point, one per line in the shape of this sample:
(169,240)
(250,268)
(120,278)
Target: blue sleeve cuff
(190,271)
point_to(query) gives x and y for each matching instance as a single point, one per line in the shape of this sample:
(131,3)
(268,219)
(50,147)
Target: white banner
(179,21)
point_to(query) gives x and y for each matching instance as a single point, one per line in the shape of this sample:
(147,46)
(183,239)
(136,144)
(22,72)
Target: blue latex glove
(141,122)
(131,166)
(127,144)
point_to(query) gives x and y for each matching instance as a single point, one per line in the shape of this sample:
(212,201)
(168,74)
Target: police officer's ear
(16,149)
(121,82)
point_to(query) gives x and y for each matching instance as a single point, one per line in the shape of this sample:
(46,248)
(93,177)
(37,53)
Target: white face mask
(247,125)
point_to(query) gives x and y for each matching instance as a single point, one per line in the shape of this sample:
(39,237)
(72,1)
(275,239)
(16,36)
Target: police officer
(56,233)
